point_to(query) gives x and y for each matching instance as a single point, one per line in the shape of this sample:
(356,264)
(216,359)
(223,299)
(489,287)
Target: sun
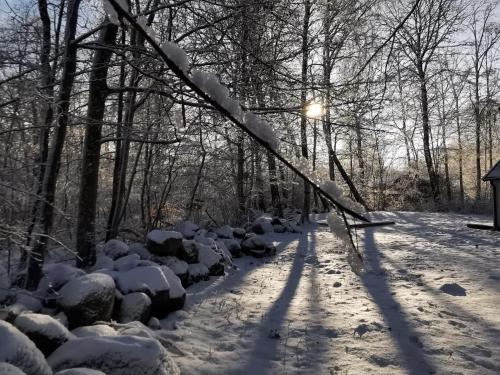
(314,110)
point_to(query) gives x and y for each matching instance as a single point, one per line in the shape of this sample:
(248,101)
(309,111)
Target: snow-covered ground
(304,311)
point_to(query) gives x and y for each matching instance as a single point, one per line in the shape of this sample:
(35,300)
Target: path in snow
(289,315)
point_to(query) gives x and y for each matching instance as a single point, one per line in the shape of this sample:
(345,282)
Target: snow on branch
(207,85)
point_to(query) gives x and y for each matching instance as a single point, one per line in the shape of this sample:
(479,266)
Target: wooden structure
(493,176)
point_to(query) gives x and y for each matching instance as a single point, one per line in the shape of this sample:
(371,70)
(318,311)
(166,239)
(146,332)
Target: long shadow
(265,348)
(221,285)
(403,334)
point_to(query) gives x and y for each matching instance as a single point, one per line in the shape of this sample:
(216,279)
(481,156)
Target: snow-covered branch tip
(206,82)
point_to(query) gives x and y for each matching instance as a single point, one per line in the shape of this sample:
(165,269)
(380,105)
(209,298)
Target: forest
(124,121)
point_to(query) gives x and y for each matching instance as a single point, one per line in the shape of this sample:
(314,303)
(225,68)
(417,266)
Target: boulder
(179,267)
(256,247)
(140,249)
(164,243)
(233,246)
(177,293)
(80,371)
(8,369)
(127,262)
(46,332)
(103,262)
(135,307)
(276,221)
(187,228)
(211,259)
(149,280)
(18,350)
(55,276)
(198,272)
(96,330)
(239,233)
(116,249)
(27,302)
(115,355)
(188,251)
(262,225)
(278,228)
(225,232)
(87,299)
(292,227)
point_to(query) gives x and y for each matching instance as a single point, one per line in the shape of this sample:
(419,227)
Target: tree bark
(89,178)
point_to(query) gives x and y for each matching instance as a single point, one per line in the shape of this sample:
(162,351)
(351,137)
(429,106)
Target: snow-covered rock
(127,262)
(256,247)
(115,249)
(239,233)
(55,275)
(149,280)
(223,251)
(115,355)
(80,371)
(27,302)
(87,299)
(103,262)
(211,259)
(140,249)
(154,323)
(262,225)
(18,350)
(233,246)
(198,272)
(187,228)
(46,332)
(177,293)
(225,232)
(189,251)
(96,330)
(8,369)
(164,243)
(135,306)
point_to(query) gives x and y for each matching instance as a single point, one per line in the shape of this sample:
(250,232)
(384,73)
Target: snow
(197,269)
(94,330)
(42,324)
(261,129)
(115,249)
(140,249)
(176,288)
(287,316)
(160,236)
(55,276)
(20,351)
(187,228)
(127,262)
(225,232)
(80,371)
(115,355)
(76,290)
(177,55)
(207,256)
(142,279)
(8,369)
(179,267)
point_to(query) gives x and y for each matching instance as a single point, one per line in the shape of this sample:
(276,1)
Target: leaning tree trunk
(37,255)
(89,178)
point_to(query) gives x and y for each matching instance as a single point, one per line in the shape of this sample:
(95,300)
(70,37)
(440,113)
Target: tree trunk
(89,178)
(37,254)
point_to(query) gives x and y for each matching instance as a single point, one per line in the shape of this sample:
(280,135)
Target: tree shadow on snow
(406,338)
(266,348)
